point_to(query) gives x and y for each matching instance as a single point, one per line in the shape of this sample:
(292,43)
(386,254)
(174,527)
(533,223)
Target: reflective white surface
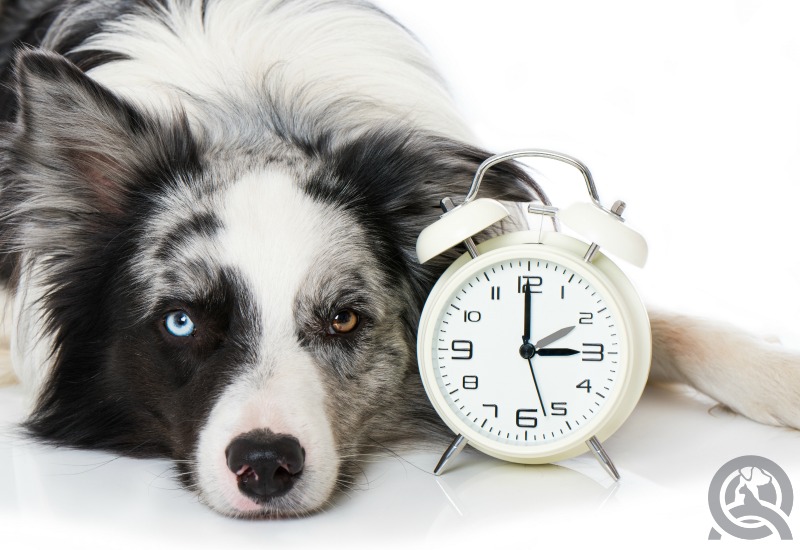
(688,110)
(667,454)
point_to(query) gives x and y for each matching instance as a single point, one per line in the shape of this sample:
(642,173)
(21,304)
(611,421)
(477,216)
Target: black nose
(266,464)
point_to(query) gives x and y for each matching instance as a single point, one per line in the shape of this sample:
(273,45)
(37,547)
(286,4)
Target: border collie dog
(208,212)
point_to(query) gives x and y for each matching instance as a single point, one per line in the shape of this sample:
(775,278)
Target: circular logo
(750,498)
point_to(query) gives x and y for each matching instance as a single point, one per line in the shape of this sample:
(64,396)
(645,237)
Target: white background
(688,110)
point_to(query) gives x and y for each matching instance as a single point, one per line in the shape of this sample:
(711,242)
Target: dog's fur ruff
(261,164)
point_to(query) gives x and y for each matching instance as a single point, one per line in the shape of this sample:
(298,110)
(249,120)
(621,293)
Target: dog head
(246,307)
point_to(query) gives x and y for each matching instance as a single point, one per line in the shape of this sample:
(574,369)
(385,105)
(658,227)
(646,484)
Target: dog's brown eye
(344,321)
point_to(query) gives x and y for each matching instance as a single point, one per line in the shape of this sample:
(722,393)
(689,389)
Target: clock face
(527,351)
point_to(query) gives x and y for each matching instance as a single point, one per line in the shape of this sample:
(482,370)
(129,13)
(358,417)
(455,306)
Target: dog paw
(766,386)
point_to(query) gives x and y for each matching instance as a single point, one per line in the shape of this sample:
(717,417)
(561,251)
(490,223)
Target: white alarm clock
(533,346)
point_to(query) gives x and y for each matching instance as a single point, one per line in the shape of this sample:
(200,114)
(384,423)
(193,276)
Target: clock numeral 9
(470,382)
(463,347)
(593,353)
(525,418)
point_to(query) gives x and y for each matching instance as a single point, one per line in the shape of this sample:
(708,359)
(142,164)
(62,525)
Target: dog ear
(394,181)
(82,145)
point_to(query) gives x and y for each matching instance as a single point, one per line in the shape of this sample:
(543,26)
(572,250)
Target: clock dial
(527,351)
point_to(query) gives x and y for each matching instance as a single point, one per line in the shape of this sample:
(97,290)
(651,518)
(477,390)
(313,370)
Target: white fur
(283,390)
(316,57)
(30,345)
(6,323)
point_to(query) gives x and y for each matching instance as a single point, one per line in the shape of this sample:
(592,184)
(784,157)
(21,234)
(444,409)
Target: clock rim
(616,288)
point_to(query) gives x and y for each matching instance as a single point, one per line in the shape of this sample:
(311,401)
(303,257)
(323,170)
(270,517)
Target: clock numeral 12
(526,282)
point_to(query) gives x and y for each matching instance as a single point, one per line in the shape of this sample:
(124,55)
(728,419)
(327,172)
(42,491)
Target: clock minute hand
(557,335)
(526,332)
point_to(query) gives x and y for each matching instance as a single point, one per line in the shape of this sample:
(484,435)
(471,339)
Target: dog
(209,213)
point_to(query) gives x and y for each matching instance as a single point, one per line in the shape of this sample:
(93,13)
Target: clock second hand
(536,385)
(528,350)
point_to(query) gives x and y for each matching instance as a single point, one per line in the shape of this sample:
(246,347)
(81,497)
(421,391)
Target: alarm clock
(533,346)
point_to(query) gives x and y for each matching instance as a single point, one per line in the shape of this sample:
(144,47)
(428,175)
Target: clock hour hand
(556,352)
(557,335)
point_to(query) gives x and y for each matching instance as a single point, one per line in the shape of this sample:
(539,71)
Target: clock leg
(600,454)
(455,447)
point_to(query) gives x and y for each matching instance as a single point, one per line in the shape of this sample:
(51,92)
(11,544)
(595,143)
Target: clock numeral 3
(470,382)
(525,418)
(595,352)
(462,347)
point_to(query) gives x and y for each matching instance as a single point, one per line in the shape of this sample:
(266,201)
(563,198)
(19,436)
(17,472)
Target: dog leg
(750,375)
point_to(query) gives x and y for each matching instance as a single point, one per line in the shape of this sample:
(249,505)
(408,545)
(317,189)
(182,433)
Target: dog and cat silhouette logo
(750,498)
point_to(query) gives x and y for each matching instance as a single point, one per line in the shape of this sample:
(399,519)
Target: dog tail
(750,375)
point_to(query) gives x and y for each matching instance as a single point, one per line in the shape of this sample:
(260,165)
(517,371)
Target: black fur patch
(86,228)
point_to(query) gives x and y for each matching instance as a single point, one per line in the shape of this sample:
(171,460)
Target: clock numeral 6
(470,382)
(525,418)
(593,352)
(462,347)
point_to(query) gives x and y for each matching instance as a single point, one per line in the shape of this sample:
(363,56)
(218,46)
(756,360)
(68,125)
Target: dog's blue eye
(179,324)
